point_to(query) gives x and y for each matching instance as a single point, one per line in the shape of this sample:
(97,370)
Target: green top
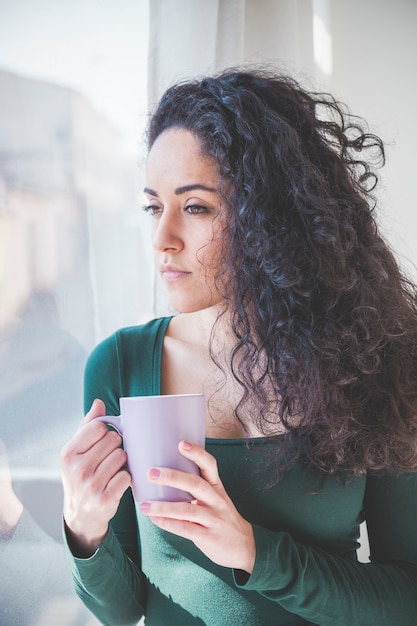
(306,530)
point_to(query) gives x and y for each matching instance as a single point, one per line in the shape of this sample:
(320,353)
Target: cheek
(210,258)
(211,254)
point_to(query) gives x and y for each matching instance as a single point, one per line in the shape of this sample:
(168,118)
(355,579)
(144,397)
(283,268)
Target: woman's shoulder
(148,330)
(132,335)
(130,340)
(129,358)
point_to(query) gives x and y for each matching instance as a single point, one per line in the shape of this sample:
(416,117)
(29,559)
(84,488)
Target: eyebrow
(180,190)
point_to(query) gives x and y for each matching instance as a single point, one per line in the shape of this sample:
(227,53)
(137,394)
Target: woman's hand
(211,521)
(94,481)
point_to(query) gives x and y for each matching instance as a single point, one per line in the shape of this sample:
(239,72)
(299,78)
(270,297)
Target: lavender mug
(151,428)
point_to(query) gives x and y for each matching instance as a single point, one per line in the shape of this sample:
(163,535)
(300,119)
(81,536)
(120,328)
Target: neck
(199,324)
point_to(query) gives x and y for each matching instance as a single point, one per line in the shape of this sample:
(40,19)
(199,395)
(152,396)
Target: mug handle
(111,420)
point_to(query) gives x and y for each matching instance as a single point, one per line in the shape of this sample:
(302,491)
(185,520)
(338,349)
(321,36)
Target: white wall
(374,70)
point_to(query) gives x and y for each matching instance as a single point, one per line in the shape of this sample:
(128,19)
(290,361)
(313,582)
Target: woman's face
(188,220)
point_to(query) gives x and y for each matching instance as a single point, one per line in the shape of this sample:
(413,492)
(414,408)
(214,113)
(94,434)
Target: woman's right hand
(94,479)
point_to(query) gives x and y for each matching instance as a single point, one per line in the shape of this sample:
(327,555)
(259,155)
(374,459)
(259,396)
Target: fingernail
(186,445)
(145,507)
(154,473)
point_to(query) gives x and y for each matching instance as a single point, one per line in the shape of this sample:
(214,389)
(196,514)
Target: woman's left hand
(211,521)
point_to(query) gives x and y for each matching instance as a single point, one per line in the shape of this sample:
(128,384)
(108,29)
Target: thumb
(98,408)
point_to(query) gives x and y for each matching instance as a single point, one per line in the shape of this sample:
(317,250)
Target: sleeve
(327,589)
(110,583)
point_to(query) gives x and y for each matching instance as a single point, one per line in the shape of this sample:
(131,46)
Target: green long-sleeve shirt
(306,531)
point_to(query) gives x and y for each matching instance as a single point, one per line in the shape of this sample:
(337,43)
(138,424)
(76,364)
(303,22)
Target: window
(73,264)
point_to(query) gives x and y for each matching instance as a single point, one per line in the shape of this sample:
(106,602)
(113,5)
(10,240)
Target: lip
(171,273)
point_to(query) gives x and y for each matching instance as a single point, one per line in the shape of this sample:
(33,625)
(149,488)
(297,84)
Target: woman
(297,325)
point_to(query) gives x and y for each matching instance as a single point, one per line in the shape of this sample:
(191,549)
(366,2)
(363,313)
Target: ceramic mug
(151,428)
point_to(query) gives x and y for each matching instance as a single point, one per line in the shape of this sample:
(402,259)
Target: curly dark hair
(320,308)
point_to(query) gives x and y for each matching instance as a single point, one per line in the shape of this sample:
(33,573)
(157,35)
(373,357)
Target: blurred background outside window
(77,78)
(73,264)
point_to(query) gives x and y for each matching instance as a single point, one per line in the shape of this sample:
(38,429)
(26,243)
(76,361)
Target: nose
(166,233)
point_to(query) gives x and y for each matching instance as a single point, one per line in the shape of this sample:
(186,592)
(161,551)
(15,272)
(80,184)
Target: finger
(117,485)
(98,408)
(110,465)
(107,487)
(205,461)
(188,530)
(189,512)
(84,439)
(187,520)
(199,488)
(93,441)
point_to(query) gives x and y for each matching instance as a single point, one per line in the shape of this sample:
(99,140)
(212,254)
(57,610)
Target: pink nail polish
(154,473)
(145,507)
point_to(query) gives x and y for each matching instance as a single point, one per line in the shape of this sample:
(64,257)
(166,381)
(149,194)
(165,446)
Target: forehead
(178,153)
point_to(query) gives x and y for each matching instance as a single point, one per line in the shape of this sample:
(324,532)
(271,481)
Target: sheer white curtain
(76,80)
(194,37)
(74,261)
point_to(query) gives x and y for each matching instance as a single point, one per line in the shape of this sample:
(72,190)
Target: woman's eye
(152,209)
(196,209)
